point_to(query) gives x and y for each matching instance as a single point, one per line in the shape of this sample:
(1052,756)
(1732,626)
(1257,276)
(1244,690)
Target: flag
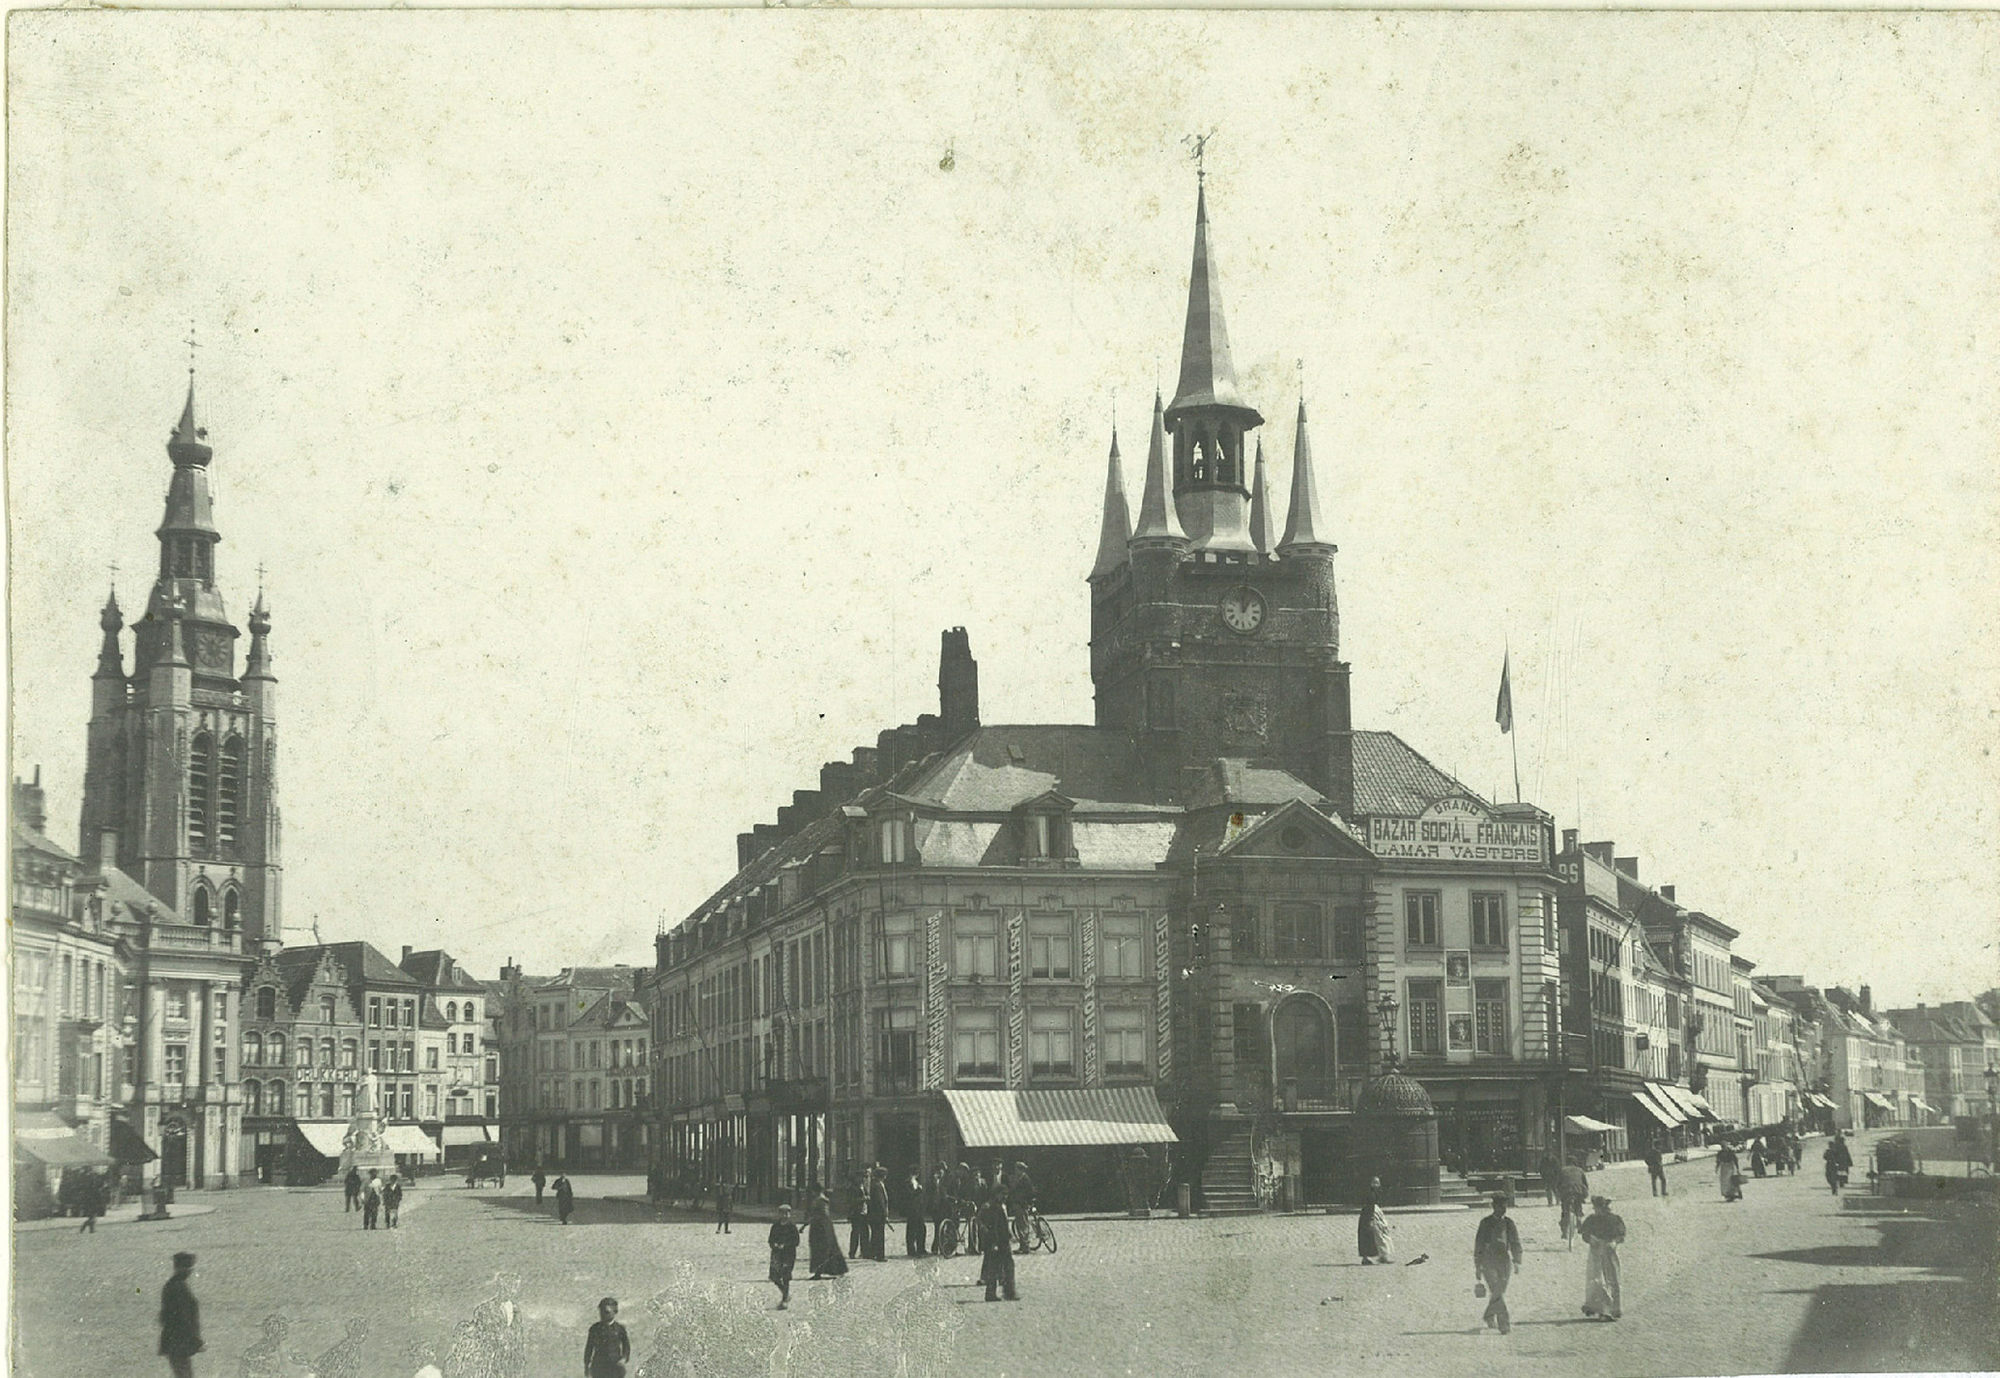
(1503,711)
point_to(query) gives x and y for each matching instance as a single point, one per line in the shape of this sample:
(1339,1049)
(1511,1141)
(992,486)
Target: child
(784,1242)
(607,1349)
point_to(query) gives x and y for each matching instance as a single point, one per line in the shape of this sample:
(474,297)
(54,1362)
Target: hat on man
(183,1260)
(1600,1200)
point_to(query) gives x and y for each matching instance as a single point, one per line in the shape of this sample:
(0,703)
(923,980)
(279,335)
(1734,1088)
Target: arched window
(253,1048)
(348,1052)
(232,909)
(229,793)
(267,1003)
(204,906)
(326,1052)
(451,1012)
(278,1049)
(253,1098)
(201,789)
(305,1052)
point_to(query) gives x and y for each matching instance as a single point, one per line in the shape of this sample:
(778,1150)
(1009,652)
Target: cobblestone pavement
(1783,1281)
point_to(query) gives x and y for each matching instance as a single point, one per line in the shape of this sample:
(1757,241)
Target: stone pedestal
(362,1146)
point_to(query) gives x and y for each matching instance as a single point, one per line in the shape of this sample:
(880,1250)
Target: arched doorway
(174,1152)
(1302,1045)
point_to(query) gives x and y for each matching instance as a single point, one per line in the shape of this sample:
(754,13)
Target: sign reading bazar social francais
(1456,829)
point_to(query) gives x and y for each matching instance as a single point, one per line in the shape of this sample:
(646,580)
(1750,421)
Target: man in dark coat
(1496,1253)
(878,1214)
(607,1348)
(857,1216)
(937,1201)
(353,1189)
(914,1240)
(1573,1188)
(1656,1167)
(180,1319)
(540,1179)
(392,1202)
(996,1245)
(1839,1161)
(565,1198)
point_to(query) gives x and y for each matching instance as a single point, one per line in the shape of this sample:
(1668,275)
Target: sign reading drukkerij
(1456,829)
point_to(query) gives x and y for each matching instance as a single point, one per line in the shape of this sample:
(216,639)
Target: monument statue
(363,1145)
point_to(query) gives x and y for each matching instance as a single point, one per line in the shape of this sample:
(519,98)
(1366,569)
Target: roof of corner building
(1390,776)
(998,768)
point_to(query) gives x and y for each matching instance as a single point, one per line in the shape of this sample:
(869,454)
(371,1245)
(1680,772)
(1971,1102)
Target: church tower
(180,783)
(1206,639)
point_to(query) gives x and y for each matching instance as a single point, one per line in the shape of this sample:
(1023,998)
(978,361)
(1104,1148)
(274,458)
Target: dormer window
(1045,832)
(893,842)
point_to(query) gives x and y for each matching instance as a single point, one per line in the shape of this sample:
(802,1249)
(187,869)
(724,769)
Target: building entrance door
(174,1152)
(1302,1033)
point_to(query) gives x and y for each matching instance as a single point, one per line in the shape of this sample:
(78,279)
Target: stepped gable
(840,782)
(299,967)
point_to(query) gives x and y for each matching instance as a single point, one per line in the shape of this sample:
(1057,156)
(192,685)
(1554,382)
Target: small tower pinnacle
(1159,523)
(1117,527)
(1261,534)
(1302,523)
(111,660)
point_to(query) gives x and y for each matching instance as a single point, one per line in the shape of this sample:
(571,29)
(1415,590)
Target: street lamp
(1385,1014)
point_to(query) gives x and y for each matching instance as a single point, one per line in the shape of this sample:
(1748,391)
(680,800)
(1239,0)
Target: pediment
(1291,831)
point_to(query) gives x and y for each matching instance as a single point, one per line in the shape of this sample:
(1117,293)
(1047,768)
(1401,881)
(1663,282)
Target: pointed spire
(1117,528)
(257,665)
(1208,377)
(1302,523)
(1261,534)
(1158,520)
(185,447)
(110,659)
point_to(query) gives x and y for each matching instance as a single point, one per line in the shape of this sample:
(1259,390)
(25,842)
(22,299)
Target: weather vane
(1199,143)
(192,347)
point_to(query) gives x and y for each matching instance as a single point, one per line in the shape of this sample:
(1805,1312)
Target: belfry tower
(1208,640)
(180,785)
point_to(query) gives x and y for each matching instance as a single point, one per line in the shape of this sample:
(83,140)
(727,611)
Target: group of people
(1496,1257)
(1775,1150)
(379,1199)
(995,1207)
(84,1193)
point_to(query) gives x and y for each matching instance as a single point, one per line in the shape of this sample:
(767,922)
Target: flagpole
(1515,739)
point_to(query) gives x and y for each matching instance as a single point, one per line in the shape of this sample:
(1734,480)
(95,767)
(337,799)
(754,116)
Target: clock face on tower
(1242,610)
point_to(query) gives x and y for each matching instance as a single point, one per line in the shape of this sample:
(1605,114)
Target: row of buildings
(1188,932)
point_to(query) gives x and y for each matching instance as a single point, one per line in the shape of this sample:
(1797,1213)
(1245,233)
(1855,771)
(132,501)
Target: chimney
(1867,1001)
(107,849)
(31,805)
(1569,839)
(746,849)
(958,685)
(1628,864)
(406,952)
(1667,893)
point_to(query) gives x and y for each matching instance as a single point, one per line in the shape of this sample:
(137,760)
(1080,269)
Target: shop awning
(1923,1105)
(1701,1104)
(127,1146)
(1657,1106)
(407,1139)
(1879,1101)
(324,1138)
(1815,1098)
(48,1140)
(456,1134)
(1057,1119)
(1583,1124)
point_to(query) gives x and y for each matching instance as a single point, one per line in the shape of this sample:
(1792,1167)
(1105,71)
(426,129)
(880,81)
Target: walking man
(1838,1161)
(353,1189)
(1603,1232)
(1496,1253)
(607,1348)
(540,1179)
(857,1216)
(92,1202)
(180,1319)
(1656,1168)
(371,1202)
(997,1247)
(565,1198)
(784,1242)
(1575,1190)
(725,1199)
(1551,1175)
(913,1228)
(392,1202)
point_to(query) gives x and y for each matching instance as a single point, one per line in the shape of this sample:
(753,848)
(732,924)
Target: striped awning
(1658,1107)
(1058,1119)
(324,1138)
(407,1139)
(1923,1105)
(1691,1106)
(456,1135)
(1878,1100)
(1583,1124)
(49,1140)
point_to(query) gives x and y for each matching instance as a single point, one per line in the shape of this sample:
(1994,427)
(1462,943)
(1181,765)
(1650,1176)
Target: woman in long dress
(823,1240)
(1371,1230)
(1727,1175)
(1604,1232)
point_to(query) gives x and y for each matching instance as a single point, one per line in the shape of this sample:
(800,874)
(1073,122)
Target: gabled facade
(583,1094)
(301,1061)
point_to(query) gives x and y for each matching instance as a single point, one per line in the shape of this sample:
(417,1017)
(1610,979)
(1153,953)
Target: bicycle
(1032,1231)
(947,1237)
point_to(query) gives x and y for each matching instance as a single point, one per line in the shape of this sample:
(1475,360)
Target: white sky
(624,401)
